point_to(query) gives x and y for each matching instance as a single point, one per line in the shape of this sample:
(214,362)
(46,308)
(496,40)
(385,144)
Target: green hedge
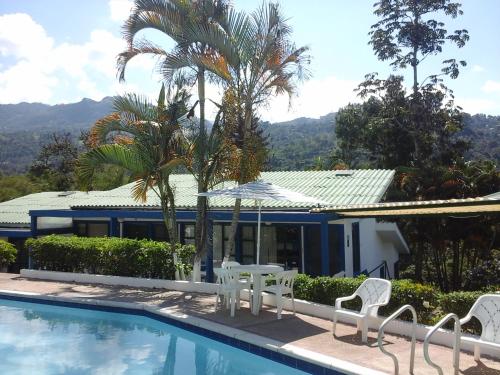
(8,253)
(109,256)
(326,290)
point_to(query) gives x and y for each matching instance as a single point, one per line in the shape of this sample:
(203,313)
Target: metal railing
(386,268)
(456,343)
(413,337)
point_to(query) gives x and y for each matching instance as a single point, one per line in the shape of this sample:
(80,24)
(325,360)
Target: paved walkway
(300,330)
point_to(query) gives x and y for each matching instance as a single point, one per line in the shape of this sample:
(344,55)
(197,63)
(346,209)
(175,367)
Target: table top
(257,268)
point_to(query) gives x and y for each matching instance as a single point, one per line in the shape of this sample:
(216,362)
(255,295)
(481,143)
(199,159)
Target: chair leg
(238,299)
(233,302)
(279,303)
(334,322)
(477,353)
(227,299)
(364,331)
(217,301)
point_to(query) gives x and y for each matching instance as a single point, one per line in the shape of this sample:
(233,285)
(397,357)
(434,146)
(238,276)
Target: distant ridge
(294,144)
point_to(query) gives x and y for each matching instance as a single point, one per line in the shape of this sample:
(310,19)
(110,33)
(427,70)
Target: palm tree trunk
(201,204)
(172,215)
(243,178)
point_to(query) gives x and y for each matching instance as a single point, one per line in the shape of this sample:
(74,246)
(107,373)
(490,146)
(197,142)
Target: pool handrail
(456,343)
(413,337)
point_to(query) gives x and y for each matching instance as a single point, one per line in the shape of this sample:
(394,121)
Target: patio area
(300,330)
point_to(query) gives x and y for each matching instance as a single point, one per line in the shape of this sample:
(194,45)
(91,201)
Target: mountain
(45,118)
(294,144)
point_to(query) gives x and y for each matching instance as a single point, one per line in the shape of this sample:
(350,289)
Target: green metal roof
(336,187)
(16,211)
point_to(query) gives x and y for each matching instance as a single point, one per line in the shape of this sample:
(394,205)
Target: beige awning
(451,207)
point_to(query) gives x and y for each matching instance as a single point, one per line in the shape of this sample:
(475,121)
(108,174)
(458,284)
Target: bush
(8,253)
(109,256)
(326,290)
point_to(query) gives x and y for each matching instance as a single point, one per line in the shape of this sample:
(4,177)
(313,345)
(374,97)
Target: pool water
(50,339)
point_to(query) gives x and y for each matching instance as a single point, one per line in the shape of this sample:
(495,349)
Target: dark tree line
(416,132)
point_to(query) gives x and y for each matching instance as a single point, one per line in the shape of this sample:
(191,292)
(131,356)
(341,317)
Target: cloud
(491,86)
(120,9)
(477,105)
(315,98)
(478,69)
(39,70)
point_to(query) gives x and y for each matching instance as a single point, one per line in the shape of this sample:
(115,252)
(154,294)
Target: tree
(176,19)
(406,35)
(55,164)
(262,62)
(147,141)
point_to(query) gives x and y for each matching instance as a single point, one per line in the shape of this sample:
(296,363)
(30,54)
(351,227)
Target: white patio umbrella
(260,191)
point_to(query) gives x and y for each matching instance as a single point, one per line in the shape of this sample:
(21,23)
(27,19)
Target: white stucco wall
(373,249)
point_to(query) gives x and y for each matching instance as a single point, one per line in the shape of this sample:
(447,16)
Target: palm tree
(194,58)
(147,141)
(262,61)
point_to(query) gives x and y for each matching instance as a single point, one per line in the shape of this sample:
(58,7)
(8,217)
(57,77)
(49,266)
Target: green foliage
(109,256)
(326,290)
(8,253)
(460,303)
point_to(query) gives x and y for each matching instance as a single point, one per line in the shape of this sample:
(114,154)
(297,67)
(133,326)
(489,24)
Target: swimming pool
(52,337)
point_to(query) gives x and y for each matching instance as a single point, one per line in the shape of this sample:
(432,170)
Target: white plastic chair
(373,293)
(284,286)
(487,310)
(229,287)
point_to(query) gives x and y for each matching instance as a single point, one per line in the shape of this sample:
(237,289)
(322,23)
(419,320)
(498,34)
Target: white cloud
(120,9)
(491,86)
(40,68)
(478,69)
(477,105)
(315,98)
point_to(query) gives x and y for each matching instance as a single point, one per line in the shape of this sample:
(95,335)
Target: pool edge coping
(288,350)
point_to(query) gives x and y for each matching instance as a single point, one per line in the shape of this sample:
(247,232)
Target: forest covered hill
(294,145)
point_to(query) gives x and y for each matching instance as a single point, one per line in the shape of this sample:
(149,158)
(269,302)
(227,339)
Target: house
(315,243)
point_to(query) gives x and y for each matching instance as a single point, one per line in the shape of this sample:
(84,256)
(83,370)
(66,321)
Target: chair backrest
(373,291)
(226,276)
(229,264)
(487,310)
(285,279)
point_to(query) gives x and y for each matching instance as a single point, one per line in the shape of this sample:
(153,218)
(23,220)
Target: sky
(60,51)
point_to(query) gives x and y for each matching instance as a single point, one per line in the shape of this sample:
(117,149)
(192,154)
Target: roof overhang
(451,208)
(389,232)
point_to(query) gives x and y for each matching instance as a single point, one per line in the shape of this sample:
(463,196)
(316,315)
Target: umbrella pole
(258,232)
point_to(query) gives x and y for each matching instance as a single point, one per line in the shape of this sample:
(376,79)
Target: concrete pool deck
(302,331)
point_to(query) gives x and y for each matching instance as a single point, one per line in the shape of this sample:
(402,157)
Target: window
(136,230)
(248,243)
(356,255)
(221,241)
(160,232)
(91,229)
(189,234)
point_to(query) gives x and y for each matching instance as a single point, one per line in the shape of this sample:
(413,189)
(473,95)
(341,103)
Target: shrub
(326,290)
(109,256)
(8,253)
(460,303)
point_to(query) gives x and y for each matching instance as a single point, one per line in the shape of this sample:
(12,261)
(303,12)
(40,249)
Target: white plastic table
(257,270)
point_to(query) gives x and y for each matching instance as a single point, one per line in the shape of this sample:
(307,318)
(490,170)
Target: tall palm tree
(262,61)
(192,57)
(147,141)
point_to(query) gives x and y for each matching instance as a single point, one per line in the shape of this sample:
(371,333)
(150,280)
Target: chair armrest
(465,320)
(338,301)
(375,305)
